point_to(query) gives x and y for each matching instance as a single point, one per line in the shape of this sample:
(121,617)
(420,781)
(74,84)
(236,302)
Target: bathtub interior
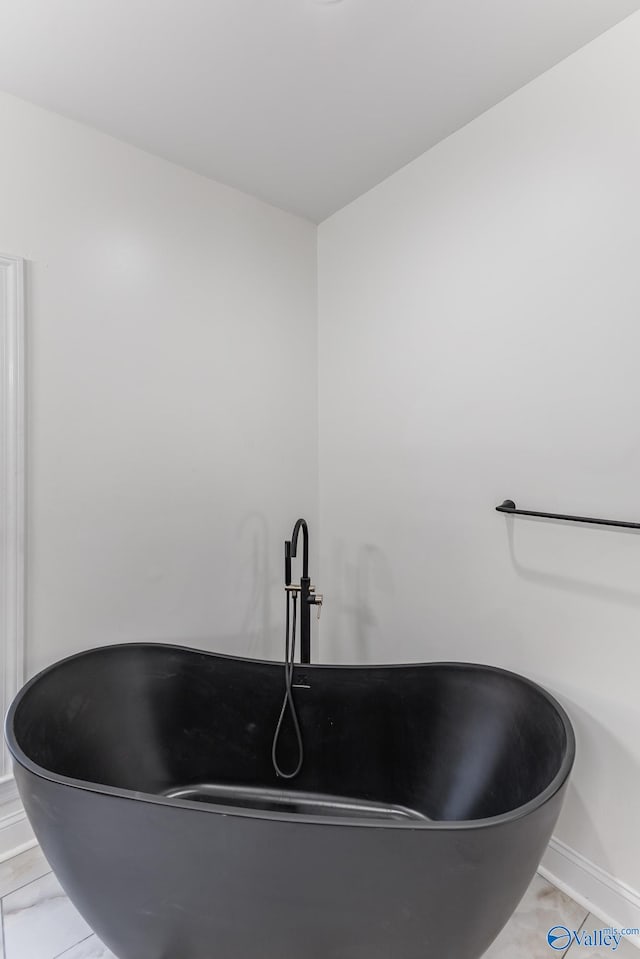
(439,741)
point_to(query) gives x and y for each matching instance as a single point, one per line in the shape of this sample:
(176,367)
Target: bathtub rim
(512,815)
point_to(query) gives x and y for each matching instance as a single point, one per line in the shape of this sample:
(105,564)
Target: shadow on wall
(255,627)
(582,587)
(355,584)
(227,644)
(257,634)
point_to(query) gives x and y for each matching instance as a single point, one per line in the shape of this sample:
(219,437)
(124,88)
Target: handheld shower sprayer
(308,598)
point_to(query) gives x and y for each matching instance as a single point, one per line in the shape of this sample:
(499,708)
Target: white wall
(171,408)
(480,339)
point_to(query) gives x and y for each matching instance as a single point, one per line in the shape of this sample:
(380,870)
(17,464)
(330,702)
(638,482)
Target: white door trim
(12,535)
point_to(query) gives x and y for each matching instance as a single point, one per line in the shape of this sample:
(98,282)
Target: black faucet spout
(291,549)
(307,592)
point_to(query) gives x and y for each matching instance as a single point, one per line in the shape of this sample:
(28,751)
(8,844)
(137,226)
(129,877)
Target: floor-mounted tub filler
(413,827)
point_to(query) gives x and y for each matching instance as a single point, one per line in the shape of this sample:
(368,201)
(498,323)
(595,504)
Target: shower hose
(288,703)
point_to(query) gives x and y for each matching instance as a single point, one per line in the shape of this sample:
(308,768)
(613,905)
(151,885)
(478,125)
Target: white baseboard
(16,834)
(608,898)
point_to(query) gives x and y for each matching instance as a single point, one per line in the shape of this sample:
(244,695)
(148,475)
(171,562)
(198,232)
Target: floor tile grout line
(579,929)
(61,955)
(25,884)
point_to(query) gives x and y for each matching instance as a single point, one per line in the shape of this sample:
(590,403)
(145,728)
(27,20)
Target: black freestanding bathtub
(426,799)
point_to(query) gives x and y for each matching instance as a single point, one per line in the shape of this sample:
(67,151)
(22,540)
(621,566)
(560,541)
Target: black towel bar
(510,507)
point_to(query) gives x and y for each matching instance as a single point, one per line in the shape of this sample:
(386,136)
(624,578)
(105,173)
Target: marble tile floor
(39,922)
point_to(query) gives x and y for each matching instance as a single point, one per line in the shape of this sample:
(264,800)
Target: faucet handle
(318,600)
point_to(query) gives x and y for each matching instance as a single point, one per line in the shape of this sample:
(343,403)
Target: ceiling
(305,104)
